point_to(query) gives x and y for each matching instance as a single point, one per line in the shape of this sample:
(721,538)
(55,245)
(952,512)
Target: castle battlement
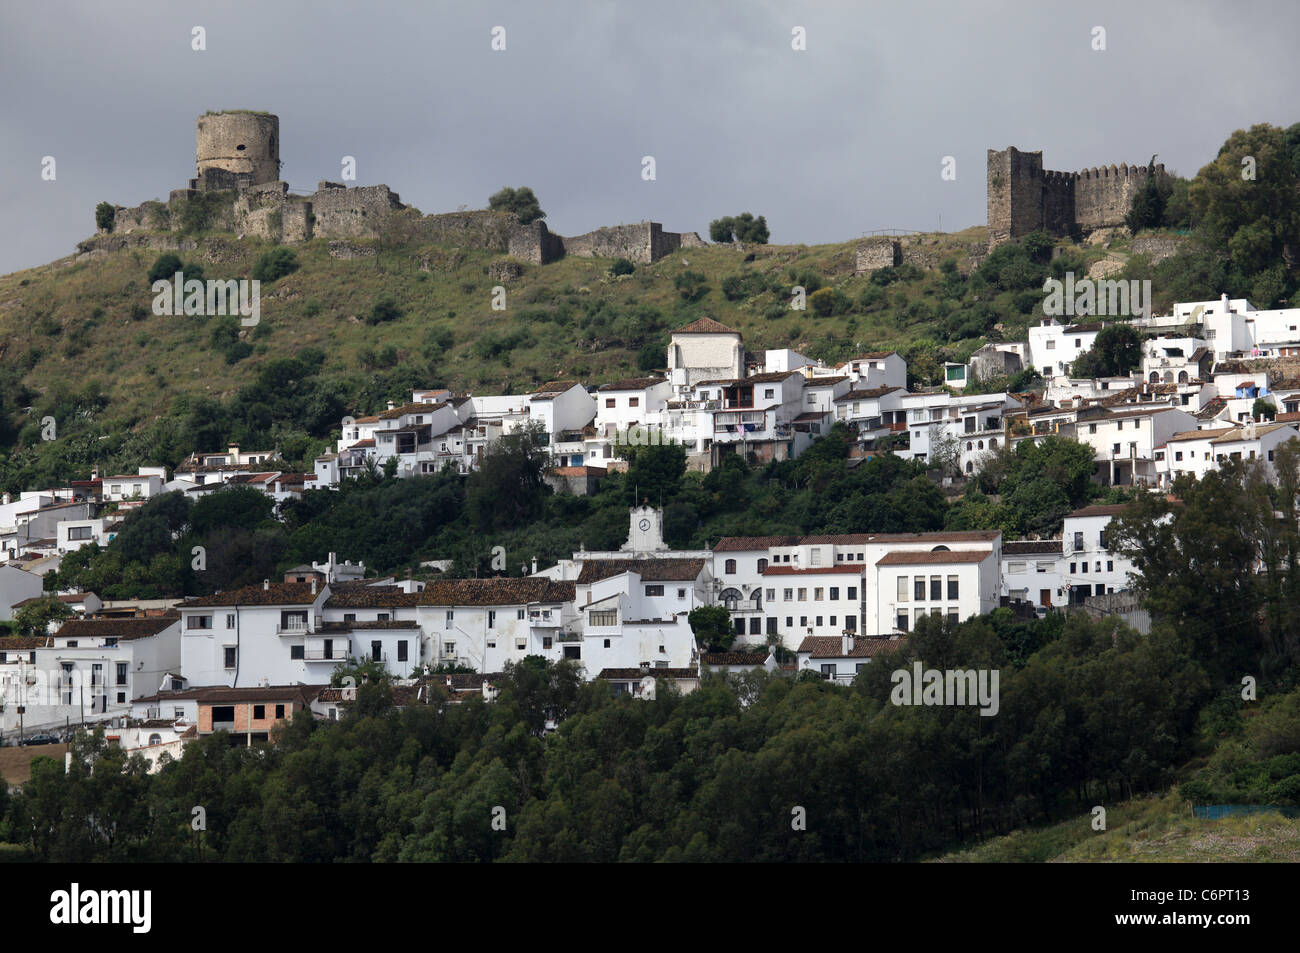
(237,152)
(1024,197)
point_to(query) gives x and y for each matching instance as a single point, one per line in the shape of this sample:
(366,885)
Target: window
(1110,565)
(72,643)
(401,650)
(654,590)
(223,714)
(199,622)
(279,711)
(771,594)
(349,617)
(573,652)
(953,587)
(230,620)
(817,594)
(293,620)
(297,652)
(448,648)
(936,588)
(609,401)
(828,671)
(382,617)
(789,621)
(918,589)
(762,565)
(492,618)
(121,698)
(1051,345)
(451,617)
(818,621)
(901,622)
(851,623)
(816,557)
(376,651)
(229,653)
(259,712)
(952,616)
(770,392)
(789,595)
(546,641)
(607,643)
(1092,428)
(902,588)
(79,532)
(803,620)
(634,401)
(803,595)
(835,592)
(1072,569)
(852,593)
(729,566)
(121,673)
(681,593)
(604,617)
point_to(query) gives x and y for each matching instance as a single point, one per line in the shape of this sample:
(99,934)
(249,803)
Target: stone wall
(1158,247)
(877,252)
(1023,197)
(534,242)
(352,213)
(479,229)
(633,242)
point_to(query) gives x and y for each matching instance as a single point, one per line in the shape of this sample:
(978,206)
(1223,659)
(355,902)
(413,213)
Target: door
(1045,598)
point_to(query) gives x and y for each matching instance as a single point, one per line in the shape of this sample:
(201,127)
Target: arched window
(155,739)
(762,565)
(1155,377)
(993,443)
(729,566)
(969,445)
(970,467)
(731,599)
(981,444)
(1182,377)
(1169,377)
(940,549)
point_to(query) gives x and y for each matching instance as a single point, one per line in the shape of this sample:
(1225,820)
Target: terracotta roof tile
(276,594)
(832,646)
(650,570)
(706,326)
(497,591)
(121,629)
(943,558)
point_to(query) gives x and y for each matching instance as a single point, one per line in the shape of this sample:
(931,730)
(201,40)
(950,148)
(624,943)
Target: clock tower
(646,533)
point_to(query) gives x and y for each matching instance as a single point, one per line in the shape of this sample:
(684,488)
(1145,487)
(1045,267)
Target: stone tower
(238,147)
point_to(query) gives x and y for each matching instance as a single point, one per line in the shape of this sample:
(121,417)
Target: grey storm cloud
(846,136)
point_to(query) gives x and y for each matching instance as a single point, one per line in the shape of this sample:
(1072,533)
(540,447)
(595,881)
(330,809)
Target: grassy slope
(1145,830)
(46,323)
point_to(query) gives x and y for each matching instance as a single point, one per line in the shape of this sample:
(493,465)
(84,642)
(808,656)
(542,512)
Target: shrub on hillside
(275,264)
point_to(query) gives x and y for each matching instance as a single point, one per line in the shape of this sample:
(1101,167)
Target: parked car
(43,738)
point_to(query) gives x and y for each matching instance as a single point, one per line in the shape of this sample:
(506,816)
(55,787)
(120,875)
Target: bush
(165,267)
(104,216)
(742,228)
(275,264)
(691,285)
(384,309)
(622,266)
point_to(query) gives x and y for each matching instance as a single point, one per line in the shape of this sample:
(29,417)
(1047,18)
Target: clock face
(645,525)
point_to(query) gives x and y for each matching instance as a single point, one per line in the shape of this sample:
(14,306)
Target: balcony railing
(293,628)
(335,654)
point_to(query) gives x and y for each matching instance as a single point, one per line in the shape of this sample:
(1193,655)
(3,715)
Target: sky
(846,136)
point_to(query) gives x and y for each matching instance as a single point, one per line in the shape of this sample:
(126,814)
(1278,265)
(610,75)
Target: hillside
(1147,830)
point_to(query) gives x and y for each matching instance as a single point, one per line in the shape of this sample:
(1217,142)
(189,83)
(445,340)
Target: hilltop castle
(1023,197)
(238,157)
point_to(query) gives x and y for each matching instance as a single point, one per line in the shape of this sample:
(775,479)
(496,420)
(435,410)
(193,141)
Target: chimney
(390,405)
(313,585)
(266,585)
(534,565)
(846,645)
(1223,302)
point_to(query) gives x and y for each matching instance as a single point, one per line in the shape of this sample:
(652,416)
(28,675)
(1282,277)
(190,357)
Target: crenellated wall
(1023,197)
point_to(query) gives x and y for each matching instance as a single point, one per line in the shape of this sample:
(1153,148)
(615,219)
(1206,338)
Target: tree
(691,285)
(105,214)
(1248,200)
(742,228)
(522,202)
(1148,208)
(35,617)
(1116,352)
(712,627)
(507,489)
(655,470)
(1263,409)
(622,266)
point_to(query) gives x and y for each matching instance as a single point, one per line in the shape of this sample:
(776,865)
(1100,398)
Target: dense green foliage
(522,202)
(740,228)
(105,213)
(275,264)
(1116,352)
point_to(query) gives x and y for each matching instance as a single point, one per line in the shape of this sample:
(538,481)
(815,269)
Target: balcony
(320,655)
(293,628)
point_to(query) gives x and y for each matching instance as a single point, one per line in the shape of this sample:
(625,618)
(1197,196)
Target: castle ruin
(237,154)
(1024,197)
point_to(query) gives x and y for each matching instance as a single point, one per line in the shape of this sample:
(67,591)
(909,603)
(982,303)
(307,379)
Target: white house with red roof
(842,658)
(875,369)
(704,350)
